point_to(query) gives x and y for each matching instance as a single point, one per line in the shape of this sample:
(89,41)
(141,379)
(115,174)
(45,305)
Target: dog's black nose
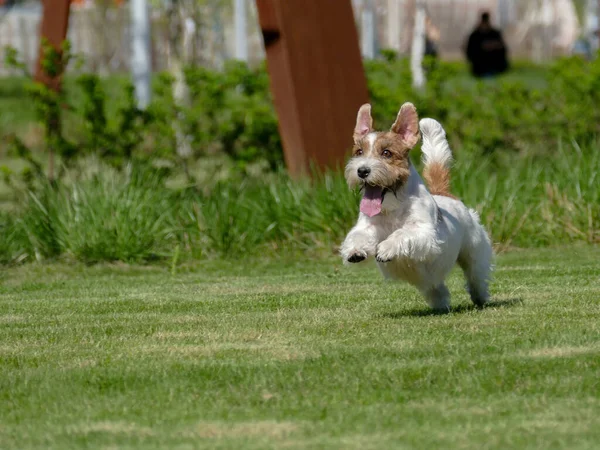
(363,172)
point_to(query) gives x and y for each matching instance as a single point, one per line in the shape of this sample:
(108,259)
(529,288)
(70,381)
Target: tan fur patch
(390,149)
(398,161)
(358,147)
(437,178)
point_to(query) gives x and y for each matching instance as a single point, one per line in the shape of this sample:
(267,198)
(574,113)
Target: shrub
(134,217)
(107,217)
(232,112)
(526,151)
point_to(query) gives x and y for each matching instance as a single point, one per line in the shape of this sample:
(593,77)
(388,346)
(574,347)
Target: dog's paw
(381,259)
(386,251)
(357,257)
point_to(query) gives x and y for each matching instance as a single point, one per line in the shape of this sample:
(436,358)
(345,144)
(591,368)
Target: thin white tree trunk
(393,24)
(180,95)
(217,52)
(179,52)
(23,42)
(418,47)
(368,30)
(141,64)
(241,34)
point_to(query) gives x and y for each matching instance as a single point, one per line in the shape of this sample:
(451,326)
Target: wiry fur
(418,236)
(435,146)
(437,158)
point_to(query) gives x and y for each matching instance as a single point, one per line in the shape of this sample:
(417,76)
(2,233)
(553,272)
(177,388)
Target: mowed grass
(299,353)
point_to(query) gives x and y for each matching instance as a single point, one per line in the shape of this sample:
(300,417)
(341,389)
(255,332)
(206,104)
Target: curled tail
(437,157)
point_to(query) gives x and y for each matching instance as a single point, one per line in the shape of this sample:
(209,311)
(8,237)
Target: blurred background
(537,30)
(163,141)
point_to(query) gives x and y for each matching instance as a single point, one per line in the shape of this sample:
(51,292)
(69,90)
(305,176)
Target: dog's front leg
(360,242)
(418,243)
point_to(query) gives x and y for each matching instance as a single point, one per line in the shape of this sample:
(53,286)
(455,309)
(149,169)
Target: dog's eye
(386,153)
(358,152)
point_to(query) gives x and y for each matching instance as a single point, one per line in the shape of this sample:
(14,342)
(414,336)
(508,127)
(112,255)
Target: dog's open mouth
(372,200)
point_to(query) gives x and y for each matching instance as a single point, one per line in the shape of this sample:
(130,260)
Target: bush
(108,217)
(113,216)
(512,113)
(230,112)
(526,151)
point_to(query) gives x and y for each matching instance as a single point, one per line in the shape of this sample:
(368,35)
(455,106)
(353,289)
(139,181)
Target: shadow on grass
(459,309)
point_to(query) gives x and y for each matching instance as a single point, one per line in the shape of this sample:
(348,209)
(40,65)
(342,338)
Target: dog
(415,234)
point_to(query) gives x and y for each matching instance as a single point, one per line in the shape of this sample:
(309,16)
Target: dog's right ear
(407,124)
(364,122)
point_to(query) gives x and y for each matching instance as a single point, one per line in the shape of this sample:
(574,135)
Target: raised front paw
(386,251)
(357,257)
(357,247)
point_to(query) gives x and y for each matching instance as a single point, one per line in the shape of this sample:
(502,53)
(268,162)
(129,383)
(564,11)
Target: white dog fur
(417,236)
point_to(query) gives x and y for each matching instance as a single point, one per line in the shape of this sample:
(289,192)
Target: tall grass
(108,217)
(533,201)
(237,218)
(528,202)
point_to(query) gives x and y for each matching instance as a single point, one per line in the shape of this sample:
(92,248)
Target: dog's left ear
(407,124)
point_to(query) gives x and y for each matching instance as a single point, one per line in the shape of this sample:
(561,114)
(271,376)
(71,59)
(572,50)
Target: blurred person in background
(486,50)
(584,46)
(432,37)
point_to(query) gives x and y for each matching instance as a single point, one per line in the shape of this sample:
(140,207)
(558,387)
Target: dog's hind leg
(475,260)
(437,297)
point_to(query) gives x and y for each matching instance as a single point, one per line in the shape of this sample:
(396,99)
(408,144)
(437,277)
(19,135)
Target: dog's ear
(364,122)
(407,124)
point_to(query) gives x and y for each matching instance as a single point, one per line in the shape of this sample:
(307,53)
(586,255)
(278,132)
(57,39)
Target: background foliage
(525,145)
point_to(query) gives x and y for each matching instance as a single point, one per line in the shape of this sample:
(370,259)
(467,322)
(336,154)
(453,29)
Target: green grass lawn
(299,354)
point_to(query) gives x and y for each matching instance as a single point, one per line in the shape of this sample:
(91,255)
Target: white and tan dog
(415,234)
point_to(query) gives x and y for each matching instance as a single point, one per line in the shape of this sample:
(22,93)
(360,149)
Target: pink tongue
(371,201)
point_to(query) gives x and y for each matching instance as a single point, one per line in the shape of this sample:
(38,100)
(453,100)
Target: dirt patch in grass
(123,428)
(12,318)
(561,352)
(219,430)
(280,352)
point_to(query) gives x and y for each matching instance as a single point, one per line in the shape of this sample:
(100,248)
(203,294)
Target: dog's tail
(437,157)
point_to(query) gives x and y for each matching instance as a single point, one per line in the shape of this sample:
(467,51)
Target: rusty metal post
(317,78)
(55,22)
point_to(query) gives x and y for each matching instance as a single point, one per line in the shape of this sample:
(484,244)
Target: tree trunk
(418,47)
(179,49)
(241,35)
(394,25)
(368,30)
(141,64)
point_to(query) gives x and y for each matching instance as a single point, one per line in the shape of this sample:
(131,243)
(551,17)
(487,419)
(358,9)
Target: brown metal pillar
(317,78)
(55,22)
(53,29)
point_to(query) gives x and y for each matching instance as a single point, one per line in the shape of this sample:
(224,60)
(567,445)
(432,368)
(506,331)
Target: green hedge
(525,144)
(230,113)
(135,217)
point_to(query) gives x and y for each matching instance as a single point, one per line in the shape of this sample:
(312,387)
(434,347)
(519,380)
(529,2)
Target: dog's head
(380,161)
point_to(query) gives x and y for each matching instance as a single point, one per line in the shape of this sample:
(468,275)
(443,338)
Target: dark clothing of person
(487,52)
(430,48)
